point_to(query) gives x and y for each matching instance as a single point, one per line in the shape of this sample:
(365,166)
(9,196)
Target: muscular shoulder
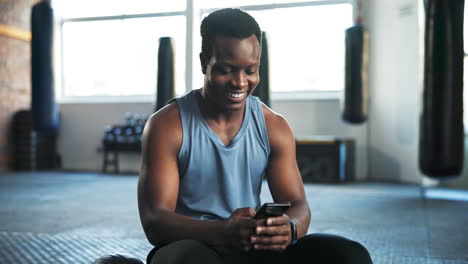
(166,114)
(279,131)
(164,126)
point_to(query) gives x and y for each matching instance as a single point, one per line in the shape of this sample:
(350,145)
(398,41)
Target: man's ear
(204,62)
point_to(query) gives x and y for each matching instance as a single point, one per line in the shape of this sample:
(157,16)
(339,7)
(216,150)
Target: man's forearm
(299,212)
(162,227)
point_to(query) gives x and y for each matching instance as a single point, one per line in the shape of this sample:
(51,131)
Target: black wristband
(293,232)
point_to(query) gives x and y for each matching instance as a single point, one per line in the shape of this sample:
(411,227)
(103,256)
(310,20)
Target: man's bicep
(159,181)
(159,176)
(283,175)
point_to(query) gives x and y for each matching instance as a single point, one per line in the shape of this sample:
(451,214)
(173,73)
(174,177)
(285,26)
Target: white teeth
(236,95)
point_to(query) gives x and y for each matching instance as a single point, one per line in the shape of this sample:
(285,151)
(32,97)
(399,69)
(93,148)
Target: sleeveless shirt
(216,179)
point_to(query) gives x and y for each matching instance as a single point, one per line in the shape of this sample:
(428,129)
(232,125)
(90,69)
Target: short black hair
(227,22)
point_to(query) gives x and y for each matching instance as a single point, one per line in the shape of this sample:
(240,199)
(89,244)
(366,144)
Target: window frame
(192,14)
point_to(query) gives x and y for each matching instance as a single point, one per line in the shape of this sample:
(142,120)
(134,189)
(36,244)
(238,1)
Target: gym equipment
(441,143)
(44,109)
(355,99)
(263,87)
(24,143)
(324,159)
(32,150)
(120,138)
(165,86)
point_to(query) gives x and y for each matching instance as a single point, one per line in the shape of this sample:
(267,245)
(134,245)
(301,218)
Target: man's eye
(226,70)
(251,72)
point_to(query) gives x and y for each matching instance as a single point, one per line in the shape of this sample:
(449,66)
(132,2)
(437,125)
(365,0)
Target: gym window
(110,50)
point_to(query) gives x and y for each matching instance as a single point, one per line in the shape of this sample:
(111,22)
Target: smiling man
(205,156)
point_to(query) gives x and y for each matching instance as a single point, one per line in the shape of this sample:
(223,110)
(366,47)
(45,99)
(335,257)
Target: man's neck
(212,112)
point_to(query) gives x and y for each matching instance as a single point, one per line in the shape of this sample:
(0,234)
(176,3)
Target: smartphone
(272,209)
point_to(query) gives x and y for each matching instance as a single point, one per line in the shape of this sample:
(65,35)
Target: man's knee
(331,249)
(355,252)
(347,251)
(185,251)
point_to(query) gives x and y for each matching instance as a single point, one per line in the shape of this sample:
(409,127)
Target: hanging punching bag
(354,102)
(441,143)
(263,87)
(165,90)
(44,108)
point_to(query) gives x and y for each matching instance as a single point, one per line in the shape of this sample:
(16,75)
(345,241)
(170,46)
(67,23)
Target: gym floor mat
(54,217)
(45,248)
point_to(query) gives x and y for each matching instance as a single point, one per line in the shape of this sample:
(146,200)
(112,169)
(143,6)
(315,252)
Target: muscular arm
(284,178)
(158,184)
(158,188)
(285,183)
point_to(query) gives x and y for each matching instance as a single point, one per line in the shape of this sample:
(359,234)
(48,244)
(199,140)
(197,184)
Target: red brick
(15,71)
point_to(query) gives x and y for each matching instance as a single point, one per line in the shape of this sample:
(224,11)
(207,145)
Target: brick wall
(15,76)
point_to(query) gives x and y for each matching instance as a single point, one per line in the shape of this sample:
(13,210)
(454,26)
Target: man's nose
(240,79)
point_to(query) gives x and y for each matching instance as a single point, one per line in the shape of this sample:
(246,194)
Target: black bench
(122,138)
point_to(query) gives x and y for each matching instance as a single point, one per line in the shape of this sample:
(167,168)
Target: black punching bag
(441,143)
(263,87)
(355,99)
(44,108)
(165,90)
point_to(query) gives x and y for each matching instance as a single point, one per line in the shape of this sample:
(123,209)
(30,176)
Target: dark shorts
(313,248)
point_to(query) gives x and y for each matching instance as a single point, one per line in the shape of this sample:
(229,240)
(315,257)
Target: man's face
(231,74)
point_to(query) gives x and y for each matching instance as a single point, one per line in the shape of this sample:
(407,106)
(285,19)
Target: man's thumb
(245,212)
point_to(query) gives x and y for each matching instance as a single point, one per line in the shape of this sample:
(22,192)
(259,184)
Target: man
(204,158)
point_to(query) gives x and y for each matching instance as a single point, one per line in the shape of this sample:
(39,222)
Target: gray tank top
(216,179)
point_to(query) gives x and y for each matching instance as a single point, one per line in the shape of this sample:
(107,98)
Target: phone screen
(272,209)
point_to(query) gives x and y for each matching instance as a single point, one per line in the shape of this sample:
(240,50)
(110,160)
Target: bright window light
(237,3)
(119,57)
(95,8)
(306,46)
(108,54)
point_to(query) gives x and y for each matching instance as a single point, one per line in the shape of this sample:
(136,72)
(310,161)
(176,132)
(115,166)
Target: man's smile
(237,95)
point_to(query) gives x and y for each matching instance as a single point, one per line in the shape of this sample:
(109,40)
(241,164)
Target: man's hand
(239,228)
(272,233)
